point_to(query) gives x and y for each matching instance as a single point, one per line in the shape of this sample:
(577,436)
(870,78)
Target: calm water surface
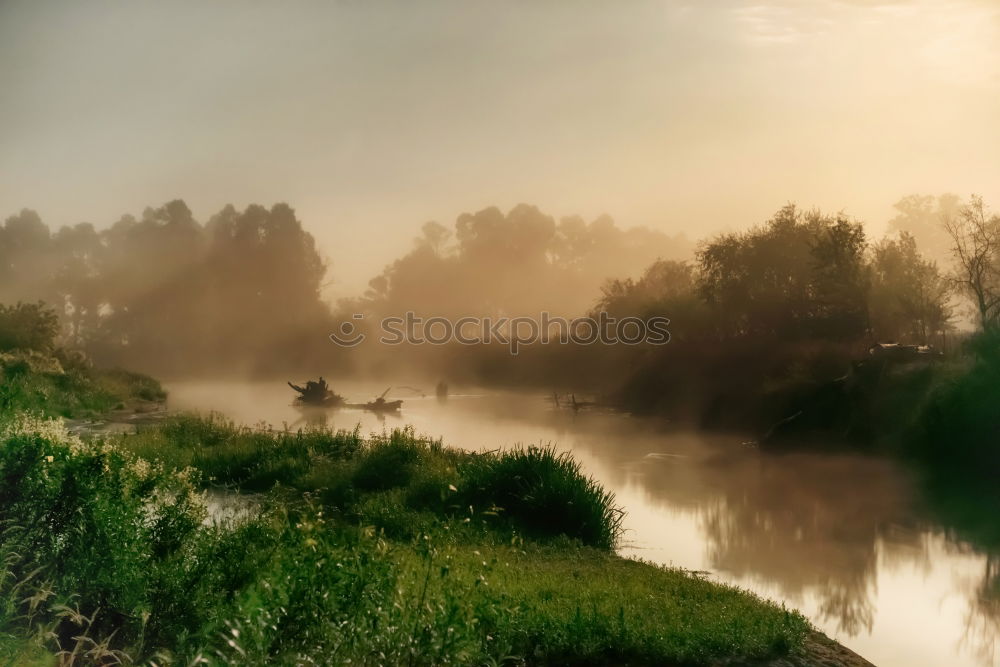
(841,538)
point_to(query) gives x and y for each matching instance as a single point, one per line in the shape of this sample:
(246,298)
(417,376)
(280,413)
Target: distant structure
(897,352)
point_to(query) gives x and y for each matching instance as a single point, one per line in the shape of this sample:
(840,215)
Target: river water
(844,539)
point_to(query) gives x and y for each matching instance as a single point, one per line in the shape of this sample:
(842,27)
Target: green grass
(65,386)
(21,652)
(398,481)
(567,604)
(391,550)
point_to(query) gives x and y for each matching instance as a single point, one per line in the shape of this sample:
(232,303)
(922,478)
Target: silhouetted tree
(666,289)
(797,276)
(840,280)
(975,245)
(25,266)
(909,296)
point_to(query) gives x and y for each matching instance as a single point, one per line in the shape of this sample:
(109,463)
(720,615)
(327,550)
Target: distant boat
(382,405)
(379,404)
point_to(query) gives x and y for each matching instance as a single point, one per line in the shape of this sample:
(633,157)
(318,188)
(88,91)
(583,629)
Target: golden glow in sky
(373,117)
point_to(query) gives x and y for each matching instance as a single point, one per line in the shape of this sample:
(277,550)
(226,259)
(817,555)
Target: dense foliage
(799,277)
(960,427)
(28,326)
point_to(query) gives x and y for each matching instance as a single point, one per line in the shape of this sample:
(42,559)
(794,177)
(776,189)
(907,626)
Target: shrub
(91,520)
(960,425)
(545,492)
(387,464)
(128,384)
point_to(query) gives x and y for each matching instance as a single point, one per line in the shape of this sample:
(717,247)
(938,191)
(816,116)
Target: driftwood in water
(571,402)
(317,393)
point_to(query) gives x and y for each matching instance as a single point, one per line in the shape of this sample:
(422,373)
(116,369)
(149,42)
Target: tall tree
(840,280)
(975,245)
(921,216)
(909,295)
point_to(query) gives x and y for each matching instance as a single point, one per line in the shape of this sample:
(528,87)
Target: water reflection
(809,524)
(982,621)
(968,511)
(310,417)
(845,539)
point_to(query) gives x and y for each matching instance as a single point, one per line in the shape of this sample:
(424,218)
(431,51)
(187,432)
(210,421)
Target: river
(845,539)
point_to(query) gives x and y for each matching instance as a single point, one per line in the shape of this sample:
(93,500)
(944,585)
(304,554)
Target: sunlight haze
(500,332)
(682,116)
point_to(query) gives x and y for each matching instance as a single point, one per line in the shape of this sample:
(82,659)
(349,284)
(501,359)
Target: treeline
(166,293)
(241,293)
(518,263)
(801,276)
(768,315)
(773,329)
(797,297)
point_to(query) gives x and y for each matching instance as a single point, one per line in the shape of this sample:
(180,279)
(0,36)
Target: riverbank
(382,550)
(934,411)
(66,384)
(436,556)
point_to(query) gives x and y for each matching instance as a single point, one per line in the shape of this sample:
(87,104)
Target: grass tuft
(544,493)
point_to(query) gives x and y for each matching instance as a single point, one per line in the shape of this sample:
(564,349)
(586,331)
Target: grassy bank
(399,482)
(387,550)
(66,385)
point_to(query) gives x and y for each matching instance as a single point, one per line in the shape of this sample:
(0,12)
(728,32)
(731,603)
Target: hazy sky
(371,117)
